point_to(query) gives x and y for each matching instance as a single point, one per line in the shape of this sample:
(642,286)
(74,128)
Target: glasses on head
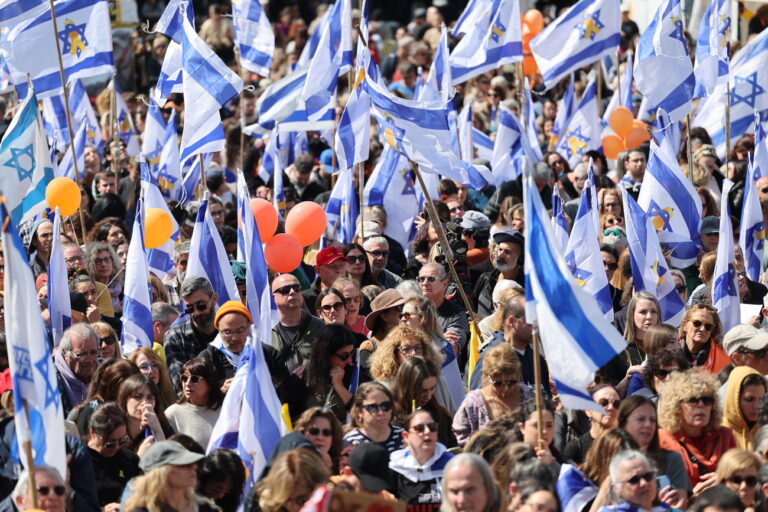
(428,279)
(751,481)
(194,379)
(407,316)
(604,402)
(411,350)
(200,306)
(352,300)
(285,290)
(314,431)
(235,332)
(356,259)
(504,383)
(119,442)
(58,490)
(648,477)
(148,367)
(611,232)
(610,266)
(758,354)
(379,254)
(707,326)
(108,340)
(663,374)
(343,356)
(703,400)
(374,408)
(336,306)
(422,427)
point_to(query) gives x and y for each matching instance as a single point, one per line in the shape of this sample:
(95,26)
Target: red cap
(6,382)
(329,255)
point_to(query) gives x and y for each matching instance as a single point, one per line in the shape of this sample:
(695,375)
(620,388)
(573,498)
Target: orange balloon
(306,221)
(266,218)
(636,137)
(530,67)
(620,121)
(535,20)
(636,123)
(283,253)
(64,193)
(612,146)
(158,227)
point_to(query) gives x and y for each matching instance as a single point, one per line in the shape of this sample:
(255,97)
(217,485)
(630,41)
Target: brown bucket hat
(383,301)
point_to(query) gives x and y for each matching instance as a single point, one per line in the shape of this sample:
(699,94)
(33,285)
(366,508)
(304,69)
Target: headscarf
(733,417)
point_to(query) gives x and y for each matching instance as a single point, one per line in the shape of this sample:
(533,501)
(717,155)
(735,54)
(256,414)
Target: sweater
(196,422)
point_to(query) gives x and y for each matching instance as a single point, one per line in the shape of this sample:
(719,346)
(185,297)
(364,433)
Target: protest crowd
(484,256)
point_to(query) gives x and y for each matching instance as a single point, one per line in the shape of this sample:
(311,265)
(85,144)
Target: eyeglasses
(758,354)
(314,431)
(285,290)
(74,259)
(648,477)
(194,379)
(432,426)
(707,326)
(356,259)
(407,316)
(120,442)
(343,356)
(604,402)
(704,400)
(374,408)
(92,354)
(412,349)
(612,232)
(428,279)
(352,300)
(663,374)
(379,254)
(108,340)
(751,481)
(235,332)
(148,367)
(101,261)
(58,490)
(610,266)
(456,209)
(200,306)
(335,306)
(504,383)
(680,288)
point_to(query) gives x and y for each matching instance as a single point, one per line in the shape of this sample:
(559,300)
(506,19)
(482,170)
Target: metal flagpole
(690,150)
(728,120)
(115,133)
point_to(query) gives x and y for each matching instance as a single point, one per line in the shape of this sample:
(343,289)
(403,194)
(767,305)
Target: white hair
(625,456)
(503,285)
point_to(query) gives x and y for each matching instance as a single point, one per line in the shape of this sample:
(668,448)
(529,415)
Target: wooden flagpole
(27,446)
(690,149)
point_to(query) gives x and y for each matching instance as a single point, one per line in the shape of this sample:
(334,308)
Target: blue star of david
(408,188)
(51,392)
(729,286)
(23,364)
(579,274)
(591,26)
(678,33)
(16,162)
(654,210)
(67,39)
(572,140)
(750,83)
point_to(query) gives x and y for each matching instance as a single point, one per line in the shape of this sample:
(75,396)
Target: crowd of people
(373,352)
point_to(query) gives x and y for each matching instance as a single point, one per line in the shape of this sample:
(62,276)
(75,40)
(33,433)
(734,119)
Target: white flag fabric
(254,37)
(137,304)
(725,285)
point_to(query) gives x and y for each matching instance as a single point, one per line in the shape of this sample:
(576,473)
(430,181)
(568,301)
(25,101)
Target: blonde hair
(384,362)
(501,360)
(497,317)
(291,470)
(151,490)
(681,387)
(102,329)
(168,395)
(735,460)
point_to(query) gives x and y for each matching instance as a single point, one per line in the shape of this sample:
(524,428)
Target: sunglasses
(428,279)
(356,259)
(108,340)
(120,442)
(611,266)
(407,316)
(379,254)
(604,402)
(456,209)
(314,431)
(374,408)
(751,481)
(432,426)
(344,356)
(758,354)
(194,379)
(663,374)
(648,477)
(680,288)
(285,290)
(58,490)
(352,300)
(504,383)
(707,326)
(200,306)
(335,306)
(612,232)
(704,400)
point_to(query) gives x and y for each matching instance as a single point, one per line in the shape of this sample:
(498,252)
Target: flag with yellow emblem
(583,131)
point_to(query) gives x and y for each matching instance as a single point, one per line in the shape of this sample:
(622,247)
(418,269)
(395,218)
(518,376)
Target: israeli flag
(533,148)
(82,112)
(153,136)
(160,259)
(466,140)
(580,36)
(310,48)
(663,51)
(341,210)
(748,76)
(13,12)
(353,135)
(582,254)
(760,155)
(574,489)
(85,41)
(559,222)
(169,80)
(278,191)
(137,304)
(752,227)
(483,144)
(172,20)
(209,83)
(26,162)
(66,167)
(475,11)
(207,257)
(168,166)
(38,413)
(440,78)
(565,111)
(621,98)
(191,176)
(713,45)
(725,287)
(668,197)
(649,267)
(125,129)
(576,338)
(270,160)
(254,37)
(583,132)
(494,39)
(55,122)
(59,306)
(668,131)
(509,149)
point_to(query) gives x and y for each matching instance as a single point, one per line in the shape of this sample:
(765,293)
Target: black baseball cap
(370,464)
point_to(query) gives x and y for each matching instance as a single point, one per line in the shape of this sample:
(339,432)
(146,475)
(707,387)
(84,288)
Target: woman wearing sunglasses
(689,417)
(744,393)
(353,302)
(738,471)
(372,418)
(501,393)
(699,336)
(108,342)
(606,397)
(323,430)
(332,309)
(113,464)
(358,267)
(198,409)
(52,491)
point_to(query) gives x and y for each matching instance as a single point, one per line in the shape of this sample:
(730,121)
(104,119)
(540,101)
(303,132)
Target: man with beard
(187,339)
(506,258)
(173,283)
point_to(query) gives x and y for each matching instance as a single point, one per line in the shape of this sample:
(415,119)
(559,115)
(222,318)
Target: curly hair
(308,416)
(384,362)
(661,359)
(682,386)
(92,249)
(501,360)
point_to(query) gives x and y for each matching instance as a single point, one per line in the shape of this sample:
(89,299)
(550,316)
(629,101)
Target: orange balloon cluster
(533,23)
(304,225)
(630,133)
